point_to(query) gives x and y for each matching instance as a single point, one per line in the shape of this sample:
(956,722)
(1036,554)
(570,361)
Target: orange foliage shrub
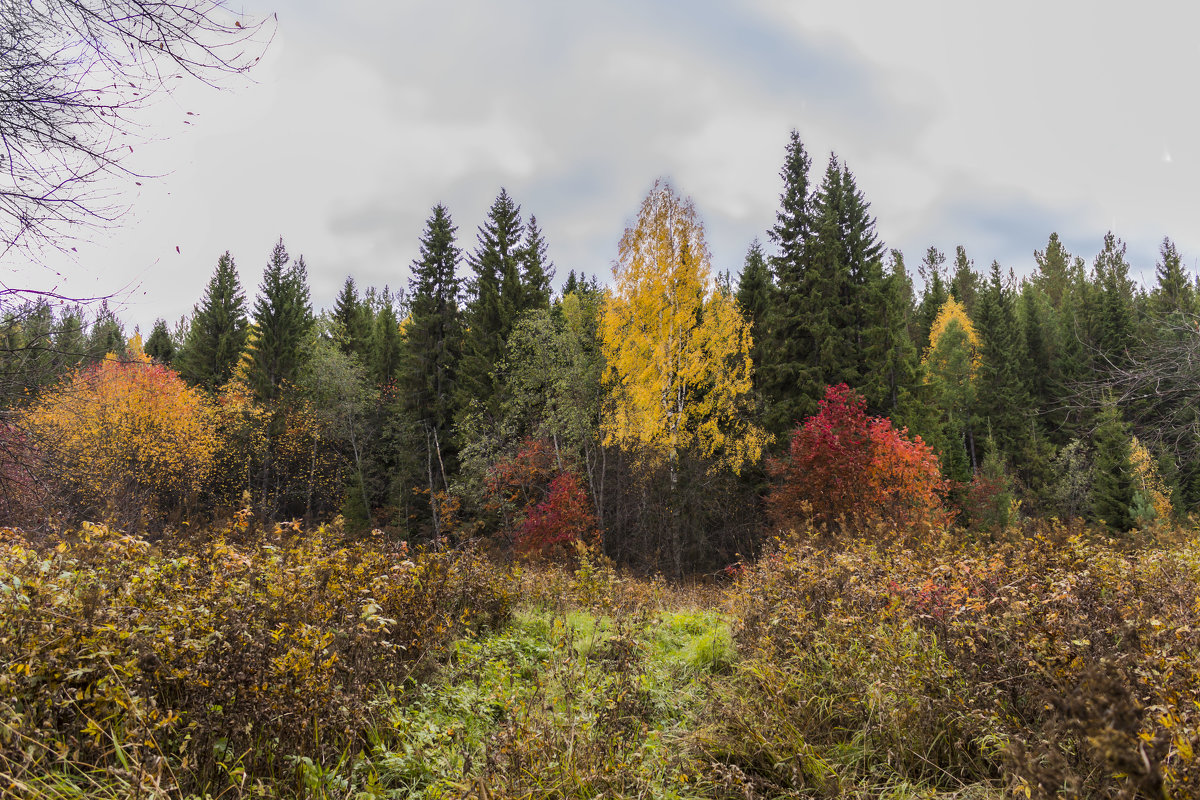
(846,468)
(125,436)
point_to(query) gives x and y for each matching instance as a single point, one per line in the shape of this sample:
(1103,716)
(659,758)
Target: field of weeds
(288,663)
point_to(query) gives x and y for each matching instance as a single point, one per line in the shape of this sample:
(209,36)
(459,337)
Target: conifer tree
(1003,392)
(159,345)
(434,337)
(537,271)
(964,286)
(1113,489)
(896,367)
(282,321)
(1116,313)
(106,335)
(494,298)
(754,296)
(386,347)
(933,294)
(352,323)
(1054,271)
(1174,293)
(790,346)
(217,334)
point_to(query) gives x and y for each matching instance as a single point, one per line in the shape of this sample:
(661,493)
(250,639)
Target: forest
(823,528)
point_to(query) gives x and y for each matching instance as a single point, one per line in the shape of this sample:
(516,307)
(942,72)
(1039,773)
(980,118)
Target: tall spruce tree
(106,335)
(1113,489)
(790,346)
(1002,389)
(434,338)
(386,351)
(217,334)
(896,366)
(1174,293)
(1116,315)
(964,285)
(494,300)
(933,294)
(282,321)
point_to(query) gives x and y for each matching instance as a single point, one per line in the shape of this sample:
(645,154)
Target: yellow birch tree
(677,349)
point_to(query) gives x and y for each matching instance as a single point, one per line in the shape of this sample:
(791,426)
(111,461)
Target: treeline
(644,414)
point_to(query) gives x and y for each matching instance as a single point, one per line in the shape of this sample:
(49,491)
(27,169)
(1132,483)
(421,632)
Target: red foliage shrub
(564,517)
(849,469)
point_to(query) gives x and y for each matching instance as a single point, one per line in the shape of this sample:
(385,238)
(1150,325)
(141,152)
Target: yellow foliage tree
(952,312)
(677,348)
(125,436)
(1148,482)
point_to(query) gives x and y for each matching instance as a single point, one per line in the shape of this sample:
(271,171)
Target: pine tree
(754,296)
(160,346)
(282,321)
(791,346)
(537,271)
(217,334)
(352,323)
(495,294)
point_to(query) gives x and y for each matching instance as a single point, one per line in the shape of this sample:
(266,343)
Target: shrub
(847,469)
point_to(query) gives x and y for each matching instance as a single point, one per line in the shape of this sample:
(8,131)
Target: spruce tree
(352,322)
(537,271)
(386,349)
(106,335)
(933,294)
(964,286)
(754,296)
(434,336)
(1003,394)
(791,346)
(897,363)
(1114,486)
(1116,315)
(1054,271)
(1174,293)
(495,297)
(217,334)
(282,321)
(160,346)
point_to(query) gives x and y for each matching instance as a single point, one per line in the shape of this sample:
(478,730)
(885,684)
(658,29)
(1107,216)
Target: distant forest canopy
(658,415)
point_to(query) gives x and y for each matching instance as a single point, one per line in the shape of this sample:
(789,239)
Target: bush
(846,469)
(215,658)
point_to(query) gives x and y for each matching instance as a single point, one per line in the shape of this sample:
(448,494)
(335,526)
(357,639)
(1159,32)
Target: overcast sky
(983,125)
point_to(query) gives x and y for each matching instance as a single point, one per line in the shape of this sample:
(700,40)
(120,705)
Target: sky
(982,125)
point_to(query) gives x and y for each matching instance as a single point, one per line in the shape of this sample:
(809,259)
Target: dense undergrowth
(282,663)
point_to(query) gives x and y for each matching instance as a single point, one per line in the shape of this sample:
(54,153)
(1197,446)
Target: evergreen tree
(434,338)
(1002,390)
(897,366)
(1116,316)
(107,335)
(495,296)
(1113,489)
(160,346)
(70,344)
(964,286)
(386,347)
(1174,293)
(933,295)
(754,296)
(1054,271)
(537,271)
(217,334)
(282,321)
(352,322)
(791,345)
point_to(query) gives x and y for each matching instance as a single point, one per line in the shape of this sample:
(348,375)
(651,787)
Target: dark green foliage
(1003,392)
(1174,293)
(537,271)
(495,298)
(1113,487)
(282,321)
(386,351)
(107,335)
(352,322)
(1055,272)
(160,345)
(217,335)
(896,368)
(933,295)
(964,286)
(755,297)
(1115,314)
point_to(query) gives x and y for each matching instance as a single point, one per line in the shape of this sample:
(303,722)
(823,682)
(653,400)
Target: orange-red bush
(848,469)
